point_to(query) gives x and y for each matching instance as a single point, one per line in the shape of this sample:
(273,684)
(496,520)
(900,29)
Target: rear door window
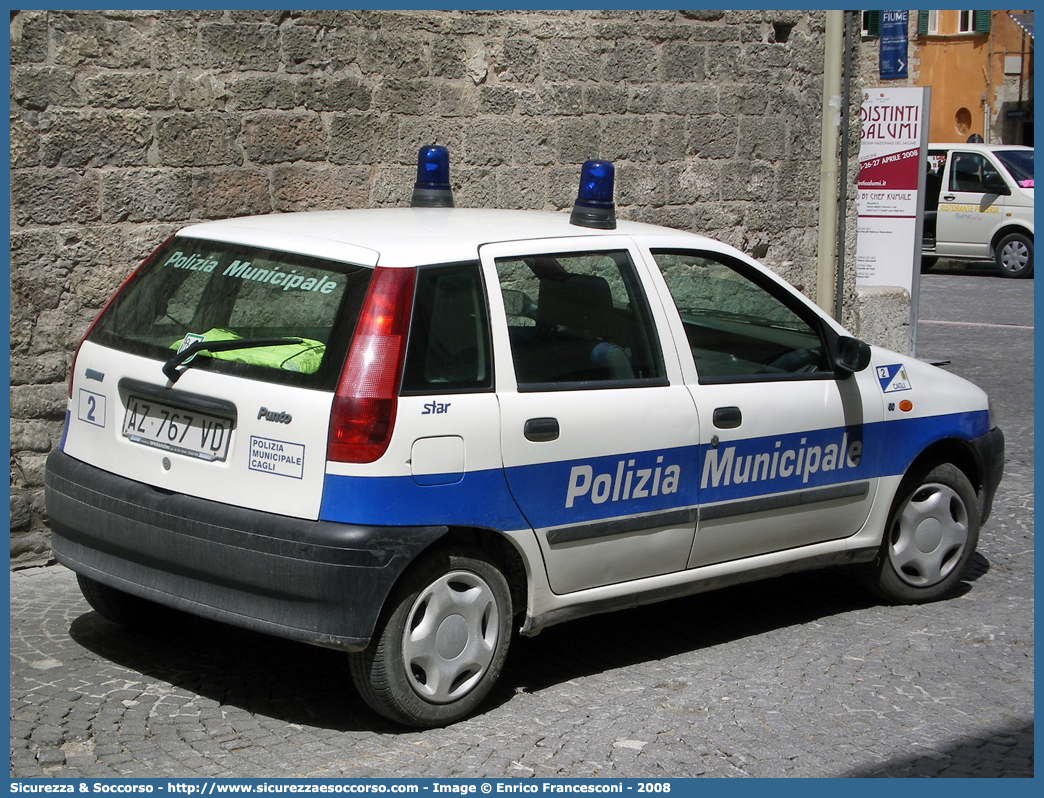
(286,318)
(578,320)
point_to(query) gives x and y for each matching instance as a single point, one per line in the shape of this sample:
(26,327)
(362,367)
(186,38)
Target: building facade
(979,65)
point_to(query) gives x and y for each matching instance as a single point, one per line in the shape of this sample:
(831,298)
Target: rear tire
(929,540)
(441,642)
(927,262)
(119,607)
(1015,255)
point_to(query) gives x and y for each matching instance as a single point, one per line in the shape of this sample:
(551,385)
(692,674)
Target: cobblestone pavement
(795,676)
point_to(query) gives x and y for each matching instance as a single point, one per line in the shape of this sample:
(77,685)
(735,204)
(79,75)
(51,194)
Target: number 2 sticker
(91,408)
(893,378)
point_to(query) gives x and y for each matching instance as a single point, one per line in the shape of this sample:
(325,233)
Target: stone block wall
(127,125)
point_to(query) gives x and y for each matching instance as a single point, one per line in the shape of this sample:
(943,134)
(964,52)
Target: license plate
(177,429)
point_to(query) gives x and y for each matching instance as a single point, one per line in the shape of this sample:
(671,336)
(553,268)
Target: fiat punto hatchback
(413,433)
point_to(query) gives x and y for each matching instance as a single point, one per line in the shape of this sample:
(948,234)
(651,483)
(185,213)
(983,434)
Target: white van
(979,206)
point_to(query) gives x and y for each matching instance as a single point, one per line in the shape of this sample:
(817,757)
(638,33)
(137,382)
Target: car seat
(579,309)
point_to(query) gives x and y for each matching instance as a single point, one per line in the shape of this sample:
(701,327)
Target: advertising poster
(894,25)
(889,197)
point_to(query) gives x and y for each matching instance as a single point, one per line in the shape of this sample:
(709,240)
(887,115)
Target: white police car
(410,433)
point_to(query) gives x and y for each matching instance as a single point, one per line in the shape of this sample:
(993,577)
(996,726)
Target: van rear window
(280,317)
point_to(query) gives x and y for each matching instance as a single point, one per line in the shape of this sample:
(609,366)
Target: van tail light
(363,413)
(116,293)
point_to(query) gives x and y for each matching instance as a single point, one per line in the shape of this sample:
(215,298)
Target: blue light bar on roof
(432,189)
(594,202)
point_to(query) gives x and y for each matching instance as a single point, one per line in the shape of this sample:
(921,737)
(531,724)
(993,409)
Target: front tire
(1015,255)
(929,540)
(441,643)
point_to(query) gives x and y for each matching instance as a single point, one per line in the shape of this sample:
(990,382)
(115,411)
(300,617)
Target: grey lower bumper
(989,448)
(313,581)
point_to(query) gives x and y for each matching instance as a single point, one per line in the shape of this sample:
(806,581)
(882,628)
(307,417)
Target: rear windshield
(289,317)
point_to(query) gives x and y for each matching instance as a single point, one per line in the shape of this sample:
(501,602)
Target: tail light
(363,414)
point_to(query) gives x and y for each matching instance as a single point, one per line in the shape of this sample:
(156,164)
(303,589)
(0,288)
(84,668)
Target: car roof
(979,147)
(411,236)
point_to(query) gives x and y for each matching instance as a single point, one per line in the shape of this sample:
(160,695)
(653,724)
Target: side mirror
(994,184)
(514,301)
(852,355)
(517,303)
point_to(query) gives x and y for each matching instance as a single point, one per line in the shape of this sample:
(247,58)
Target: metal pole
(826,265)
(842,200)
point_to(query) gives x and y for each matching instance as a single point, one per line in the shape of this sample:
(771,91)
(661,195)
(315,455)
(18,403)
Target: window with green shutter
(871,23)
(974,22)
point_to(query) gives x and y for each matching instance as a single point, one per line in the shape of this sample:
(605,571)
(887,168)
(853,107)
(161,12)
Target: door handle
(949,197)
(727,417)
(540,430)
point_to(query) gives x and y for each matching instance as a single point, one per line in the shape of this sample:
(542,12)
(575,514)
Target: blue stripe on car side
(480,498)
(600,488)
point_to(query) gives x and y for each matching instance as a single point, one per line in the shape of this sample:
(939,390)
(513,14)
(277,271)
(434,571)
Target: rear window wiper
(170,368)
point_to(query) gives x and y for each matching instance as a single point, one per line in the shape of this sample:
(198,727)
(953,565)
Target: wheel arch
(497,546)
(958,452)
(1008,229)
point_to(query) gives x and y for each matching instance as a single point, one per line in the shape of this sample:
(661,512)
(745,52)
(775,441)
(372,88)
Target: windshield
(1019,164)
(280,317)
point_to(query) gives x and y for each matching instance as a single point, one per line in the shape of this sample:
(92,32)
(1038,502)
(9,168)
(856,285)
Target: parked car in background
(979,206)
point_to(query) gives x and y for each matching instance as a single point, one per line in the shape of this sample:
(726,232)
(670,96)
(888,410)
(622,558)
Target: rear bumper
(313,581)
(989,448)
